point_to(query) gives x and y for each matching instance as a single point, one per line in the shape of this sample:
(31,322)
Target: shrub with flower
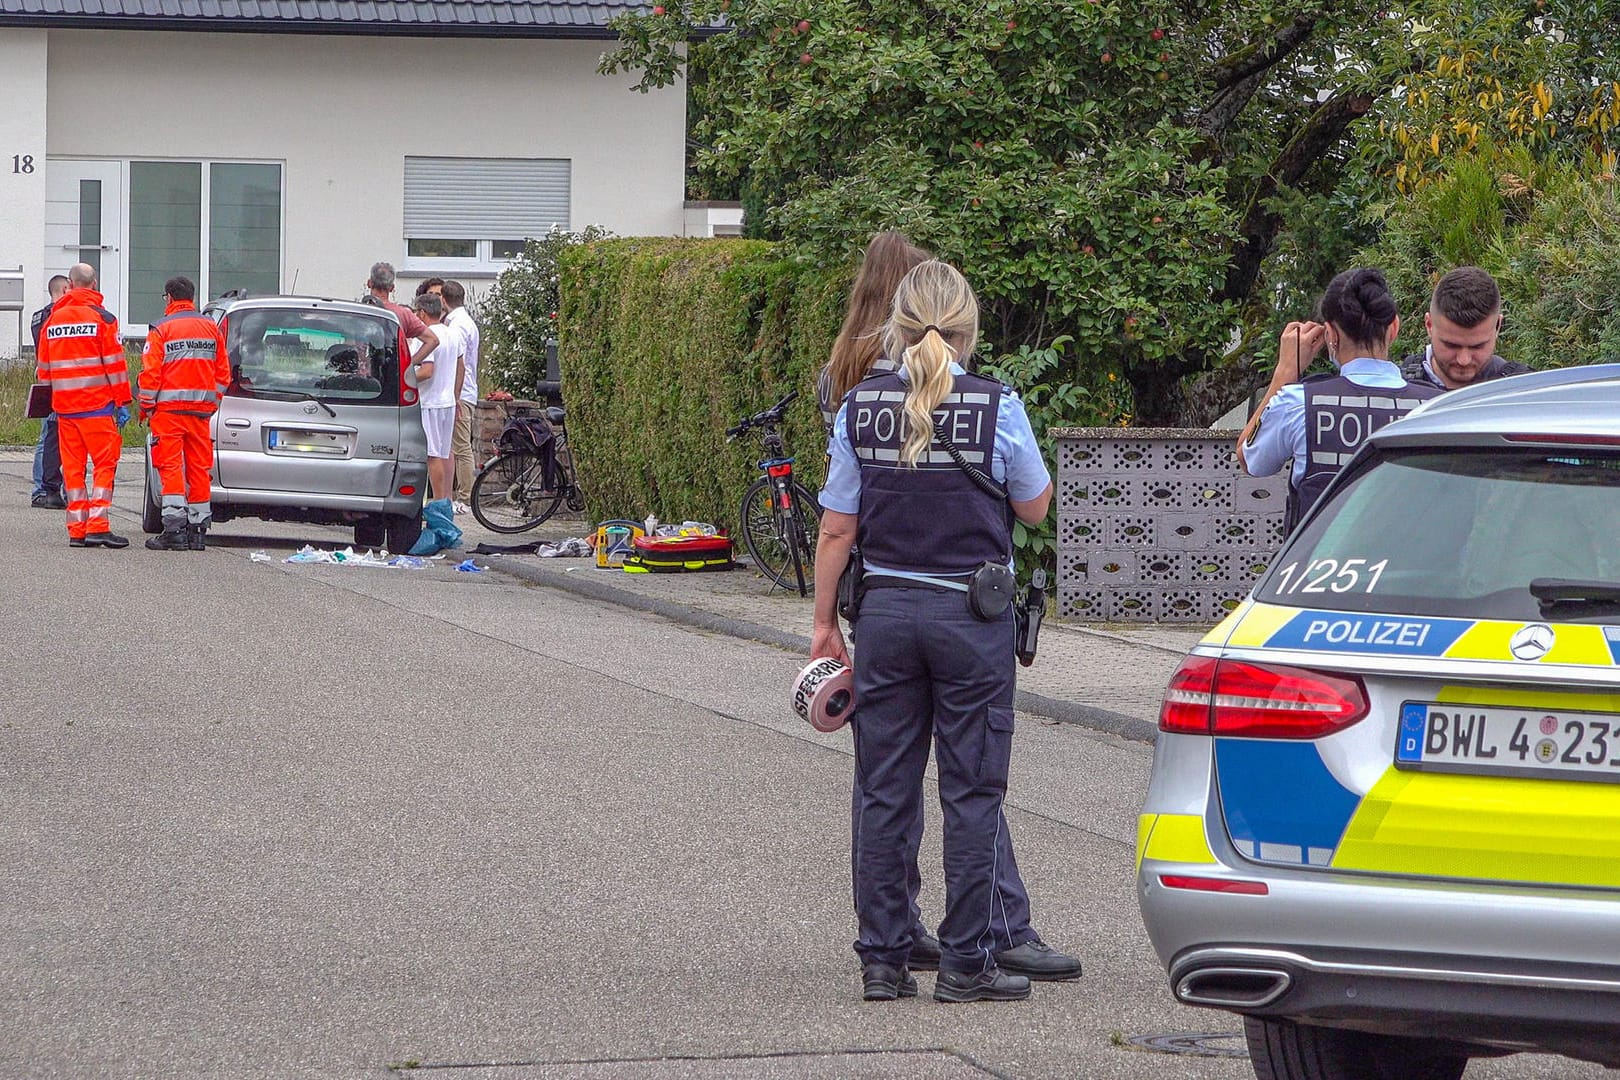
(519,312)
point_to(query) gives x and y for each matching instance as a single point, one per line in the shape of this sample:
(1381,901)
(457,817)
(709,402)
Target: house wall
(340,113)
(23,57)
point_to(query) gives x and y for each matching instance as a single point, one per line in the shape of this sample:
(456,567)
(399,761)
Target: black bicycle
(530,478)
(780,517)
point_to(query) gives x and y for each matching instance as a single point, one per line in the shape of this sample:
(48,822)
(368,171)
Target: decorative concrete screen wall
(1160,525)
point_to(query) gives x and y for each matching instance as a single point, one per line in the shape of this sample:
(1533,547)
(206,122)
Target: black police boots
(106,540)
(196,532)
(880,982)
(1039,961)
(172,538)
(992,985)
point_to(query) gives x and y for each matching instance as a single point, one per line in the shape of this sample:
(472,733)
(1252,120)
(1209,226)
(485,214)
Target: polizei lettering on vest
(1351,428)
(1389,633)
(888,425)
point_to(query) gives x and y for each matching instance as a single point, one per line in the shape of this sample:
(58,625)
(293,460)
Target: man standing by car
(439,380)
(47,456)
(1463,321)
(455,299)
(81,356)
(380,284)
(184,373)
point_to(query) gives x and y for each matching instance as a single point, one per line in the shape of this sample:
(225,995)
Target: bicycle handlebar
(772,415)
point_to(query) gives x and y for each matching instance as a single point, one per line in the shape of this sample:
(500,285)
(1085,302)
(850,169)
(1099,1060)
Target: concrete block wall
(1159,525)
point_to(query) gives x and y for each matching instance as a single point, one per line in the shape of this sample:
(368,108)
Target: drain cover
(1225,1044)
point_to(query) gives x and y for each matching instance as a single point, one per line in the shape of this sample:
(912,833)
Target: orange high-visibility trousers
(96,438)
(183,452)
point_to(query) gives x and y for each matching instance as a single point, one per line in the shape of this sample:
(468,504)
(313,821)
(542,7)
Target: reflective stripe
(84,382)
(104,494)
(58,367)
(220,388)
(97,510)
(176,502)
(114,359)
(77,516)
(880,395)
(120,375)
(929,457)
(77,494)
(185,395)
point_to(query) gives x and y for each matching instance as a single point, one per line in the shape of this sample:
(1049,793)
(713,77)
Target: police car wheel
(1283,1050)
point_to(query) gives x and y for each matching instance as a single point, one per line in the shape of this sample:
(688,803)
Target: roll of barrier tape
(824,694)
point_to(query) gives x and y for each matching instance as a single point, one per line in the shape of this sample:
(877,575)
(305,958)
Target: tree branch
(1260,224)
(1260,56)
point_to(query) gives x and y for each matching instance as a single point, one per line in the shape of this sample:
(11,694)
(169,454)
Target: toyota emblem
(1532,642)
(309,407)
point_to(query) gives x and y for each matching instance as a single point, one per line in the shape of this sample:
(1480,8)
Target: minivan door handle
(237,421)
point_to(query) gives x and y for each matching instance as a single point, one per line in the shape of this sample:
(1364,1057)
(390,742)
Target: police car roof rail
(1526,384)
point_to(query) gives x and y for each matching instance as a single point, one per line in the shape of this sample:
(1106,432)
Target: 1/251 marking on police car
(1507,741)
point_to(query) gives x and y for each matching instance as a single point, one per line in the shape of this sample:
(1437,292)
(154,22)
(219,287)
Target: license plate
(1513,742)
(323,443)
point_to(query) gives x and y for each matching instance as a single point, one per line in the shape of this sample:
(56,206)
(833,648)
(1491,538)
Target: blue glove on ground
(121,415)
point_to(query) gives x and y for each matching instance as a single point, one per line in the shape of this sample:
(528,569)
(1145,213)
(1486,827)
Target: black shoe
(48,500)
(924,951)
(1039,961)
(106,540)
(992,985)
(195,535)
(884,983)
(77,541)
(174,539)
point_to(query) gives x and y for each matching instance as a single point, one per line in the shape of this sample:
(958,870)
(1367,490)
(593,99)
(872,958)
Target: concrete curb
(594,588)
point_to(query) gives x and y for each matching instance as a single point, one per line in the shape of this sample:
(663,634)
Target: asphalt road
(317,821)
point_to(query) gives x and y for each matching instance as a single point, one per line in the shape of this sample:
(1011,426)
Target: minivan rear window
(298,354)
(1463,532)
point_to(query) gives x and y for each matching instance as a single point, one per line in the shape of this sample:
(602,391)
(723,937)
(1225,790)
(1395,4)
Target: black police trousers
(927,671)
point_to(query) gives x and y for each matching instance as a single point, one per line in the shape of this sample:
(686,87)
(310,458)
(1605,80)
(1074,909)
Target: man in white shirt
(455,297)
(438,379)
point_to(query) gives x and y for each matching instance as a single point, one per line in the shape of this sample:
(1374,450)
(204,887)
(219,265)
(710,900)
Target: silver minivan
(320,423)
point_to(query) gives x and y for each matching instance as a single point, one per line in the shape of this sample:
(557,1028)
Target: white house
(285,145)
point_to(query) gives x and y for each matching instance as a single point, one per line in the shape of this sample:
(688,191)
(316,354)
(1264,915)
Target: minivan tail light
(1259,701)
(407,392)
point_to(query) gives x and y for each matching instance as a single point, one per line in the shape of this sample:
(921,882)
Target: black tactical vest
(1339,415)
(930,519)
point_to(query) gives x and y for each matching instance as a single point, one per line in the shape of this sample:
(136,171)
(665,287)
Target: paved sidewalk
(1111,678)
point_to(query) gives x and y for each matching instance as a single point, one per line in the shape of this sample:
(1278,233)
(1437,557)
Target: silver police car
(320,424)
(1384,817)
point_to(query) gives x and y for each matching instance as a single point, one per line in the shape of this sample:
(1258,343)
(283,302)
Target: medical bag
(681,554)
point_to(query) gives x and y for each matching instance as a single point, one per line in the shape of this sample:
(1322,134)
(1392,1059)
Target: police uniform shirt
(1281,434)
(1016,461)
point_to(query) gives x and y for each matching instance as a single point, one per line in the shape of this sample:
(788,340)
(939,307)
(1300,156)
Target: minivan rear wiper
(297,395)
(1567,593)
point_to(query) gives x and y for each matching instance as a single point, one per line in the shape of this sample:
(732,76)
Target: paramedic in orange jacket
(184,372)
(82,357)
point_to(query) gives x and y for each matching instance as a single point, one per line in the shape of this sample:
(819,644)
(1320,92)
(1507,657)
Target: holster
(849,587)
(1028,619)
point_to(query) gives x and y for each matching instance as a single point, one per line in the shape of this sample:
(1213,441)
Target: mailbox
(11,290)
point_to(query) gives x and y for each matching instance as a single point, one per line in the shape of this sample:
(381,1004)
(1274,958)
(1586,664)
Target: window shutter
(485,198)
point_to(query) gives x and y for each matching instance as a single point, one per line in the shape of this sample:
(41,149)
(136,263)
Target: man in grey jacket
(1463,321)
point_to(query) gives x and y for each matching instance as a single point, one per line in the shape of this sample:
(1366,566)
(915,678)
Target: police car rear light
(1565,440)
(1207,884)
(1259,701)
(1186,702)
(1273,701)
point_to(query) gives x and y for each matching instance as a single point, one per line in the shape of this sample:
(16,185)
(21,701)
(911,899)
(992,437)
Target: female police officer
(928,667)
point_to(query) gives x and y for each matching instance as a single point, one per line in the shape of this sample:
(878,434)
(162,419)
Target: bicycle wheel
(510,494)
(773,539)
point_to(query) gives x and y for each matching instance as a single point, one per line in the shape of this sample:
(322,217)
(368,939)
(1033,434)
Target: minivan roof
(232,303)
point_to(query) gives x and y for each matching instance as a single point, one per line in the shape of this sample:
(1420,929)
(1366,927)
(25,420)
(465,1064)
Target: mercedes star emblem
(1532,642)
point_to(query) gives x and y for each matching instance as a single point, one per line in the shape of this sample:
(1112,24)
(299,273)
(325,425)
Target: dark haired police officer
(1319,422)
(929,668)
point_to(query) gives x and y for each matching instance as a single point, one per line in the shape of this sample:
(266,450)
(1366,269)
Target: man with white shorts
(439,377)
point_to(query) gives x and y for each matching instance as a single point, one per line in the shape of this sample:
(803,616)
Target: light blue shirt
(1015,462)
(1281,434)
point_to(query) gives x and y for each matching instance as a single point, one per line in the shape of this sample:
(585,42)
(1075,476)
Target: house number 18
(22,163)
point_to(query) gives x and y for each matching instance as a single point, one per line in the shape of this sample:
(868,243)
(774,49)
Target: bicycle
(780,517)
(522,486)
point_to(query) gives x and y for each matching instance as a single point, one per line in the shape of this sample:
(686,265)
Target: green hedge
(664,343)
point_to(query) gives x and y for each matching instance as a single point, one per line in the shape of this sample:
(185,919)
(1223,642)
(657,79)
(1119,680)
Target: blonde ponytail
(935,320)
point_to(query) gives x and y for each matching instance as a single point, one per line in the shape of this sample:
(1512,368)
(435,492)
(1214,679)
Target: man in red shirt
(380,284)
(82,357)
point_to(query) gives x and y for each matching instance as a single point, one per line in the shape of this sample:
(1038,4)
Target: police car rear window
(1460,532)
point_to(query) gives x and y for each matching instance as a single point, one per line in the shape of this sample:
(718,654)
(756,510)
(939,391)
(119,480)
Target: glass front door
(84,221)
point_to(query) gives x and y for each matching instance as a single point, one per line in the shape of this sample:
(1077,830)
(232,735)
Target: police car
(1384,817)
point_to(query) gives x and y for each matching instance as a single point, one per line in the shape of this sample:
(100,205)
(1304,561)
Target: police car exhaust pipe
(1233,987)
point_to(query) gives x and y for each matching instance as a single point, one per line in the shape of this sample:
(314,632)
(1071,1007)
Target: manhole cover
(1225,1044)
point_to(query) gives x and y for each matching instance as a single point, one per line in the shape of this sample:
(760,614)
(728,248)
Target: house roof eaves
(502,25)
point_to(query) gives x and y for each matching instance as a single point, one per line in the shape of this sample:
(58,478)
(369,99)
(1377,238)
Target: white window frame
(484,263)
(204,293)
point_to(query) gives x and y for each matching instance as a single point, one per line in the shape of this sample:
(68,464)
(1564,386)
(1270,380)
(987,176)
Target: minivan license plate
(1495,740)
